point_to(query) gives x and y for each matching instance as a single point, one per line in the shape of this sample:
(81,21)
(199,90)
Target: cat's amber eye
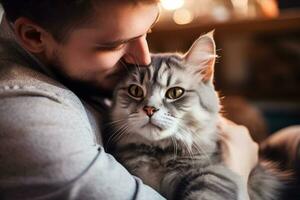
(136,91)
(174,93)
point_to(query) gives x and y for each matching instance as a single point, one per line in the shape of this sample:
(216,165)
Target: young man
(59,59)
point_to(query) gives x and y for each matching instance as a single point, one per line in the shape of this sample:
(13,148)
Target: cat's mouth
(152,125)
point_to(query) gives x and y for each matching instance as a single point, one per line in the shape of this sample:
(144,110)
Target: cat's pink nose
(150,110)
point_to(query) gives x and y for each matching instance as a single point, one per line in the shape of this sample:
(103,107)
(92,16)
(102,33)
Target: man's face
(95,53)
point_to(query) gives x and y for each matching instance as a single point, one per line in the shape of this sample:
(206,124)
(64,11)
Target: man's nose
(138,52)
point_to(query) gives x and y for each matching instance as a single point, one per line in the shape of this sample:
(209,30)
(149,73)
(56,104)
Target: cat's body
(165,121)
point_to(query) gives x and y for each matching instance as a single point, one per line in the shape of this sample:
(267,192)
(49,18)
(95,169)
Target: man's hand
(284,146)
(240,152)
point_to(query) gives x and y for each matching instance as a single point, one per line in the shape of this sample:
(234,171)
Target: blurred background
(258,43)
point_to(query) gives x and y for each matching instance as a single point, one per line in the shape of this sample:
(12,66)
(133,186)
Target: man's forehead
(103,12)
(123,22)
(124,40)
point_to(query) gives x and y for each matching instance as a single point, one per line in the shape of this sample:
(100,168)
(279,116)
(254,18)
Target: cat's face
(173,98)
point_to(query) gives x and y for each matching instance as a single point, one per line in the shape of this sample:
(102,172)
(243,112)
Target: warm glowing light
(241,7)
(183,16)
(269,8)
(172,4)
(220,13)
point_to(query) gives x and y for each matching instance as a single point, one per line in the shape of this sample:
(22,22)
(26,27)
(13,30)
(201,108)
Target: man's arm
(48,152)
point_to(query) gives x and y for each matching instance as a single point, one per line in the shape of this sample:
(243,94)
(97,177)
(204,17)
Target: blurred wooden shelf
(287,21)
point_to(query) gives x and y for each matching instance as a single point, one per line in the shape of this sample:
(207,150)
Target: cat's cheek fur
(154,135)
(119,113)
(166,126)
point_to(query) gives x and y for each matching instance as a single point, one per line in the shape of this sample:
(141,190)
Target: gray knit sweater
(50,140)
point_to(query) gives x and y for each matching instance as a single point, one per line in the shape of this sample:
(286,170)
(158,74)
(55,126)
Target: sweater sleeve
(47,151)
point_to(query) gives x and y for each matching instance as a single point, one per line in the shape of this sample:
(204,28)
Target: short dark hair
(56,16)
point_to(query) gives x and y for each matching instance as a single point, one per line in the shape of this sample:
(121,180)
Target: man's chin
(101,84)
(90,88)
(105,85)
(96,88)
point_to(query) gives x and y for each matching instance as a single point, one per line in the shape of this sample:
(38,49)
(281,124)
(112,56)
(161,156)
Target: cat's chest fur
(152,163)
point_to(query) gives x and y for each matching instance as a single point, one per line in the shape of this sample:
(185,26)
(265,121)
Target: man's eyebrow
(118,42)
(122,41)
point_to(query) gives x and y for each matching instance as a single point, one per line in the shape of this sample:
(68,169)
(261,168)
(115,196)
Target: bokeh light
(172,4)
(183,16)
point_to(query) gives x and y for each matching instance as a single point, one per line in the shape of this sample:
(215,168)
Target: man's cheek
(107,61)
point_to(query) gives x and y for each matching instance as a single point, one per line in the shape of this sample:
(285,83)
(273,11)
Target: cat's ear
(202,56)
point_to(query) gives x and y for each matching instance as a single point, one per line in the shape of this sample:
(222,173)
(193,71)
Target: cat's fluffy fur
(176,150)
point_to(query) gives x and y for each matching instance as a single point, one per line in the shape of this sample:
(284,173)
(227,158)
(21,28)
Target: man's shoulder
(35,97)
(18,79)
(21,83)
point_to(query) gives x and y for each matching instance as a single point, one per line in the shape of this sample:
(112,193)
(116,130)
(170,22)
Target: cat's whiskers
(183,141)
(118,121)
(202,152)
(116,133)
(122,128)
(175,147)
(116,129)
(197,147)
(168,120)
(190,149)
(135,62)
(190,153)
(125,66)
(114,122)
(121,133)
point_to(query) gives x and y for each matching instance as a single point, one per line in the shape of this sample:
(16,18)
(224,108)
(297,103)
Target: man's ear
(202,55)
(30,35)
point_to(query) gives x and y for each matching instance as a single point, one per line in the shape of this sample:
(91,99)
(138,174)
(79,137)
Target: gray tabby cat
(165,120)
